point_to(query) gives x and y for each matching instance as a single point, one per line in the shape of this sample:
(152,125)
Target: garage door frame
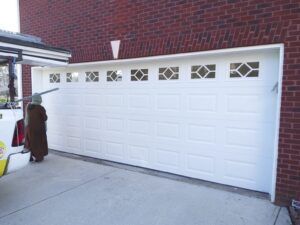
(36,74)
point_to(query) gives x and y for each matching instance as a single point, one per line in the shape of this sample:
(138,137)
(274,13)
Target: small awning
(30,50)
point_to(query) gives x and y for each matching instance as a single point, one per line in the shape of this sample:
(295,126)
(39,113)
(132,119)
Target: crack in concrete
(277,216)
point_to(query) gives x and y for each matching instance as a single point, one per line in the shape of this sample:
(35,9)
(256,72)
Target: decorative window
(249,69)
(139,75)
(168,73)
(203,71)
(54,78)
(72,77)
(91,76)
(115,75)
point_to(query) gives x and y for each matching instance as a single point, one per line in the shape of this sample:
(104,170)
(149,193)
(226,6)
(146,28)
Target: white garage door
(208,117)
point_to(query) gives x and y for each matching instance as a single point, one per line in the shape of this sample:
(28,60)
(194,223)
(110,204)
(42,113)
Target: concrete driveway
(63,191)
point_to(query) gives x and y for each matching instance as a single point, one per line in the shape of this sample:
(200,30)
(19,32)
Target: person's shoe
(31,159)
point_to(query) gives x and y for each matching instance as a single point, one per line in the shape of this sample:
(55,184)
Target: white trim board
(277,125)
(180,55)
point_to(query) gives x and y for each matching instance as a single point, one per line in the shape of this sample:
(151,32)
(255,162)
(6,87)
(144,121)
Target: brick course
(150,27)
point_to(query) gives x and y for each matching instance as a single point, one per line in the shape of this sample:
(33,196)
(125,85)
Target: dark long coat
(36,138)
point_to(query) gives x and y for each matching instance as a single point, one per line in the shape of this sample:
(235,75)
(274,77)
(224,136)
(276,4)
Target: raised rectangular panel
(168,102)
(93,123)
(115,149)
(244,103)
(139,101)
(167,130)
(92,145)
(202,133)
(91,133)
(92,100)
(73,132)
(243,137)
(241,171)
(202,103)
(56,139)
(167,158)
(53,99)
(72,99)
(114,101)
(73,121)
(72,110)
(138,153)
(114,124)
(55,128)
(73,142)
(201,164)
(138,127)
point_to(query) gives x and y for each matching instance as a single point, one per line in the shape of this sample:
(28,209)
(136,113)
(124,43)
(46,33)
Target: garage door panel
(139,102)
(71,121)
(72,100)
(243,105)
(93,134)
(202,133)
(114,124)
(199,102)
(167,129)
(54,128)
(114,150)
(71,110)
(92,122)
(168,102)
(93,100)
(219,129)
(138,154)
(167,158)
(139,127)
(73,132)
(73,142)
(249,137)
(93,146)
(253,172)
(56,141)
(201,166)
(114,100)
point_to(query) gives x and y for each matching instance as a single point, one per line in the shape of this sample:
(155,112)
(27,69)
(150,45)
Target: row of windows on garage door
(237,70)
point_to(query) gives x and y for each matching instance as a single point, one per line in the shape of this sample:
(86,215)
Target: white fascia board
(39,54)
(180,55)
(36,50)
(45,62)
(8,54)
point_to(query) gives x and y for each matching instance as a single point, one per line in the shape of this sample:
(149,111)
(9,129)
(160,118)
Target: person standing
(35,129)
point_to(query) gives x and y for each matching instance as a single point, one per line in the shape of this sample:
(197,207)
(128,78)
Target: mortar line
(58,194)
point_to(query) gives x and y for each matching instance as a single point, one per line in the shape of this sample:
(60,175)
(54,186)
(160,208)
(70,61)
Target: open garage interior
(211,116)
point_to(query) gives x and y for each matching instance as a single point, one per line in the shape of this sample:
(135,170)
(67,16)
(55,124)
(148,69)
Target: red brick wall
(151,27)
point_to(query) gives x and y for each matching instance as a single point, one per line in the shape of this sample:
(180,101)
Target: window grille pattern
(168,73)
(91,76)
(115,75)
(203,71)
(249,69)
(139,75)
(72,77)
(54,78)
